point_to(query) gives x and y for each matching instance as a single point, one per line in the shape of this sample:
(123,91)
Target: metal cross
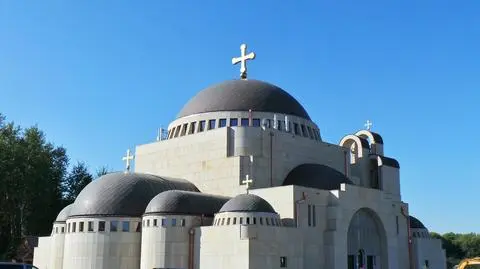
(368,125)
(243,60)
(127,160)
(247,182)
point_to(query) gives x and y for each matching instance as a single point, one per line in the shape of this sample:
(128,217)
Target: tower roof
(243,95)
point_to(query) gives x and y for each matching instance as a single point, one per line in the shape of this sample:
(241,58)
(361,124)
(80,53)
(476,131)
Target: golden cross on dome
(244,57)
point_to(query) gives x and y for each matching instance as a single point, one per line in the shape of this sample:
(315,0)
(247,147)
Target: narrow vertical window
(174,222)
(177,131)
(125,226)
(241,221)
(155,223)
(309,215)
(62,230)
(164,222)
(101,226)
(254,220)
(279,125)
(81,226)
(248,220)
(304,132)
(113,226)
(234,221)
(222,123)
(148,223)
(310,133)
(233,122)
(201,126)
(211,124)
(228,221)
(56,230)
(74,226)
(182,222)
(192,127)
(256,122)
(139,227)
(283,262)
(296,129)
(184,129)
(244,122)
(261,221)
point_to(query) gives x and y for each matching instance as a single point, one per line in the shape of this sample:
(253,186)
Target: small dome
(123,194)
(242,95)
(416,223)
(64,214)
(247,203)
(185,203)
(316,176)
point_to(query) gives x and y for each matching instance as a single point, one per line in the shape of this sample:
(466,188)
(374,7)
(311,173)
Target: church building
(242,179)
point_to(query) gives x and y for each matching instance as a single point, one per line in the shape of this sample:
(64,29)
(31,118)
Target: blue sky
(101,76)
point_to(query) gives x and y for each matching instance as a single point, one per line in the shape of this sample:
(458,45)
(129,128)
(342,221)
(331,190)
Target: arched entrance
(367,245)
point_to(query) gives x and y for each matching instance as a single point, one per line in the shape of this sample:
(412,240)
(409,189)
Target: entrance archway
(367,245)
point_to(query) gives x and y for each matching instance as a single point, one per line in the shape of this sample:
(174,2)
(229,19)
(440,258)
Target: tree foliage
(459,246)
(78,178)
(33,177)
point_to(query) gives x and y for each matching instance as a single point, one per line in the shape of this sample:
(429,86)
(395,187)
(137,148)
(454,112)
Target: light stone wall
(247,246)
(57,246)
(428,249)
(42,253)
(167,246)
(348,201)
(103,250)
(217,161)
(325,240)
(391,182)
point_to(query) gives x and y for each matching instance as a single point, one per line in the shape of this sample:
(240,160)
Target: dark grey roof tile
(242,95)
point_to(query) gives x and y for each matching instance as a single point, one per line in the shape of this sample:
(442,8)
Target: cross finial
(368,125)
(243,60)
(127,160)
(247,182)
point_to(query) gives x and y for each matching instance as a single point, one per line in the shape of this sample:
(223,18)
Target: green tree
(76,180)
(31,175)
(102,171)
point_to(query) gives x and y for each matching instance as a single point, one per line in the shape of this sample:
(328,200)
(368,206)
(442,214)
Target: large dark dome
(123,194)
(242,95)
